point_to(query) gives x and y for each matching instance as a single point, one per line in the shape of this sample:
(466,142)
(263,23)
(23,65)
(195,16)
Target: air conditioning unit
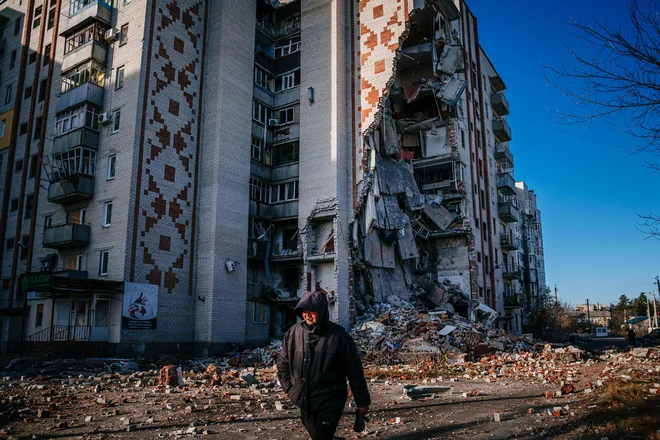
(105,118)
(111,35)
(272,122)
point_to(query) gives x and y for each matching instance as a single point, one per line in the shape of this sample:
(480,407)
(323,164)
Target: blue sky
(589,193)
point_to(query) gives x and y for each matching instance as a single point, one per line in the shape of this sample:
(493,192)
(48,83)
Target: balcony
(512,301)
(499,103)
(508,242)
(508,212)
(97,10)
(501,130)
(285,210)
(290,133)
(287,97)
(285,172)
(496,83)
(82,137)
(66,236)
(275,32)
(71,189)
(88,92)
(512,273)
(506,183)
(260,209)
(93,50)
(257,248)
(503,154)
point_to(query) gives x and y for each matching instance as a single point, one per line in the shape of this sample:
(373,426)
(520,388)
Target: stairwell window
(256,149)
(116,116)
(119,78)
(123,35)
(285,192)
(112,164)
(107,214)
(287,81)
(8,92)
(103,262)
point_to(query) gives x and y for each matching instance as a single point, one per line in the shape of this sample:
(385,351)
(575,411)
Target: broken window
(257,149)
(258,313)
(287,116)
(259,190)
(287,47)
(285,192)
(285,154)
(290,239)
(287,81)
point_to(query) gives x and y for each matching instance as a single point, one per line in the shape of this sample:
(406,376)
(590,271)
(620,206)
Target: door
(101,324)
(60,331)
(79,315)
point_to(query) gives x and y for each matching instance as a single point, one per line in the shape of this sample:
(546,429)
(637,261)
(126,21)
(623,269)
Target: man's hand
(362,411)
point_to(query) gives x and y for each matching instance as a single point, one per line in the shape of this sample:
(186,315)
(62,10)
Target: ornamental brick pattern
(167,177)
(382,23)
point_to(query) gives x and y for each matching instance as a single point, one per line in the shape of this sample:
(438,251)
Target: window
(38,10)
(103,263)
(24,246)
(483,200)
(487,264)
(8,92)
(76,217)
(76,5)
(92,32)
(33,166)
(259,190)
(262,78)
(90,72)
(5,284)
(116,117)
(22,129)
(479,257)
(107,214)
(478,138)
(258,313)
(12,59)
(18,167)
(286,116)
(42,90)
(284,192)
(51,19)
(37,22)
(284,154)
(119,78)
(73,262)
(39,318)
(10,244)
(287,81)
(28,205)
(287,48)
(48,221)
(46,55)
(78,117)
(123,35)
(112,163)
(256,149)
(485,231)
(462,138)
(481,292)
(27,93)
(37,128)
(17,27)
(260,112)
(13,206)
(3,124)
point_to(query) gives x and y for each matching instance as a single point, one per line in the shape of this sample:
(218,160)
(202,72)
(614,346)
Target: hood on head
(314,302)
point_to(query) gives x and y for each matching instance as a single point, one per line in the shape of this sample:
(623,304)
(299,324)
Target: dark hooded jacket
(316,361)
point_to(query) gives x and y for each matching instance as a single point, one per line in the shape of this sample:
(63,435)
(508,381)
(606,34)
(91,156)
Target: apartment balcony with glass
(77,127)
(83,84)
(509,242)
(84,45)
(84,12)
(71,175)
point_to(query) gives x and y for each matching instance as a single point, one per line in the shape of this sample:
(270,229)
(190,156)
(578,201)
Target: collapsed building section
(413,237)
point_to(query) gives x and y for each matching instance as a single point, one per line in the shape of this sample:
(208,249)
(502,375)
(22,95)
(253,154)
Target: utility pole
(648,312)
(655,311)
(588,314)
(556,293)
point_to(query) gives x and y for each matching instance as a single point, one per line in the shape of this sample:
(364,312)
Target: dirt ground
(132,406)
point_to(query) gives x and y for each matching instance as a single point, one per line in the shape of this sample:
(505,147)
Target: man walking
(316,359)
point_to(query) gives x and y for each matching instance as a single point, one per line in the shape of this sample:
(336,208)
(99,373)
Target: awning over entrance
(53,282)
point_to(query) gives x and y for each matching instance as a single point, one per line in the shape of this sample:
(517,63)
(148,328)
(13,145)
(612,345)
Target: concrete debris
(413,391)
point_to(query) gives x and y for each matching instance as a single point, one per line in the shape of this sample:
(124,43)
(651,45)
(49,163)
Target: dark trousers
(321,426)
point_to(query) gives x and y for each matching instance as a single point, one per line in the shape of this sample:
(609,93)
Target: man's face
(310,317)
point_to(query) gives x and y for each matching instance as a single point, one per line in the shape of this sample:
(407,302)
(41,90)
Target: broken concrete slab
(417,391)
(439,215)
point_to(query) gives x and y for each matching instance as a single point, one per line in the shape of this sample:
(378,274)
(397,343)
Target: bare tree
(618,75)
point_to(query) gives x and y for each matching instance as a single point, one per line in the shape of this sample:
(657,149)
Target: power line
(572,134)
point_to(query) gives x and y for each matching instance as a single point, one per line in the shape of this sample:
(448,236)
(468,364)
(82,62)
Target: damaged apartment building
(177,173)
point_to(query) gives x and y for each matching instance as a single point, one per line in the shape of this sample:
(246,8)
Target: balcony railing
(71,189)
(506,183)
(507,212)
(88,92)
(282,30)
(510,242)
(501,130)
(66,236)
(81,137)
(499,103)
(512,273)
(285,210)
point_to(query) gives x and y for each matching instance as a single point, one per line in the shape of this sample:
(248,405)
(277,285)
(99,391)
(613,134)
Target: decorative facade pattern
(382,23)
(169,148)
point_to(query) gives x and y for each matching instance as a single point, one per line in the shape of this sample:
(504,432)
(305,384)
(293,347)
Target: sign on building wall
(140,307)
